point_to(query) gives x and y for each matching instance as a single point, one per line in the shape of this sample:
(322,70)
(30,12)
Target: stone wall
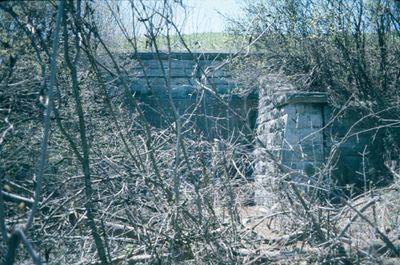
(291,141)
(201,91)
(302,139)
(356,149)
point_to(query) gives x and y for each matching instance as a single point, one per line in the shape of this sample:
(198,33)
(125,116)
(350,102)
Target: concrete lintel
(295,97)
(201,56)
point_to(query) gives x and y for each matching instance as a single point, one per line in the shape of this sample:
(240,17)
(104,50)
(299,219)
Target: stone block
(303,136)
(312,152)
(278,124)
(138,87)
(224,88)
(182,91)
(159,72)
(271,139)
(289,157)
(155,64)
(273,114)
(182,56)
(308,120)
(213,73)
(261,119)
(303,116)
(295,97)
(260,130)
(303,153)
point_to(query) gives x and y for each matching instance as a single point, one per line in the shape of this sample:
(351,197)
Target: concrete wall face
(299,141)
(210,108)
(291,139)
(359,160)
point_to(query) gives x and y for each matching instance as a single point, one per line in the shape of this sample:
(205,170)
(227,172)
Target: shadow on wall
(302,137)
(201,90)
(297,131)
(358,151)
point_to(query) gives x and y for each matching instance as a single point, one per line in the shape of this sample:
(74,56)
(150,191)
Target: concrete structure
(296,137)
(291,140)
(200,88)
(302,139)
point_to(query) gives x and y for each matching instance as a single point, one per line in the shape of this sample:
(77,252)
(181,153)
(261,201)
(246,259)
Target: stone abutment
(296,136)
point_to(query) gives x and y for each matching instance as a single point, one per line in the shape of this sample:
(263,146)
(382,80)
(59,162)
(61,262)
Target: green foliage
(205,42)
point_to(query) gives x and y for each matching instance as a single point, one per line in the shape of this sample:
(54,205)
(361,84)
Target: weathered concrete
(200,88)
(299,141)
(296,138)
(290,137)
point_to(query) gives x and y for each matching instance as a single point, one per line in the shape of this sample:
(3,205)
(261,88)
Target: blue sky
(195,15)
(203,15)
